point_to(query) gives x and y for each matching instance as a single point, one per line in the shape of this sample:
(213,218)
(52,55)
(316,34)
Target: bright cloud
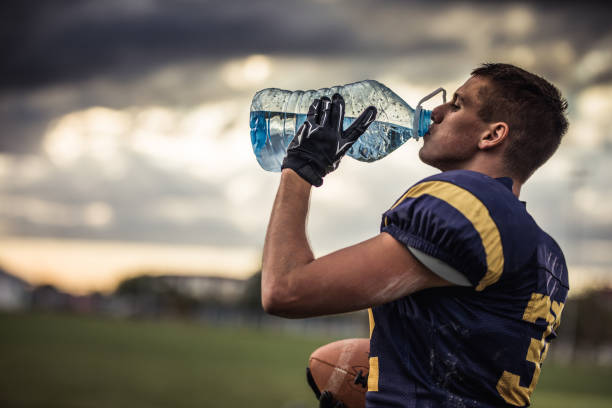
(95,132)
(593,124)
(595,62)
(207,140)
(39,211)
(244,73)
(24,170)
(594,204)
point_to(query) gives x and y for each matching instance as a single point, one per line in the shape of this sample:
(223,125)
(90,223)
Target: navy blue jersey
(476,346)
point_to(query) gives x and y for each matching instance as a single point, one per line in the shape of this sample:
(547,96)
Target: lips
(428,131)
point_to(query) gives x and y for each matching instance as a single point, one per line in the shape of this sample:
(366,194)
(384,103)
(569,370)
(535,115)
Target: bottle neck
(422,117)
(424,122)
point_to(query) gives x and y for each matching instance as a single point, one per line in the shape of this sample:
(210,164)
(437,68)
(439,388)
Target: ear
(494,136)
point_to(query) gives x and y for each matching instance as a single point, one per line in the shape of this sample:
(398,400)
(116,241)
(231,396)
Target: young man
(465,291)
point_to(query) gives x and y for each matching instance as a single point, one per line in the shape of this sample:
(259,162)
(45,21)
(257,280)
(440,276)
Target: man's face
(452,140)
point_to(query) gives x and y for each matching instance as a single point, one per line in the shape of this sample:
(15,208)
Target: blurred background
(133,211)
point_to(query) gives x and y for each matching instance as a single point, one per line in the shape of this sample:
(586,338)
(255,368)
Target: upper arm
(367,274)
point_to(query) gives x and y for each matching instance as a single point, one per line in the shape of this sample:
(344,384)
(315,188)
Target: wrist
(306,170)
(292,178)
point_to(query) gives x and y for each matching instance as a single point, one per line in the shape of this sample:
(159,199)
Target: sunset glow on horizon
(82,266)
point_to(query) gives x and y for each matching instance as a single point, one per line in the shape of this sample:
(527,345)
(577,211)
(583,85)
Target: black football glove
(326,398)
(320,142)
(327,401)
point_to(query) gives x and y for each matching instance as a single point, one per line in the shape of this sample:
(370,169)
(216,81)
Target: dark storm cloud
(67,40)
(21,127)
(70,40)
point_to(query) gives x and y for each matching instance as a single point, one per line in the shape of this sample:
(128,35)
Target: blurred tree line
(185,295)
(155,296)
(587,319)
(586,322)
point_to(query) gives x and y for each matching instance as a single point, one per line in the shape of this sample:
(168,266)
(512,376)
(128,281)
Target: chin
(425,157)
(423,153)
(432,161)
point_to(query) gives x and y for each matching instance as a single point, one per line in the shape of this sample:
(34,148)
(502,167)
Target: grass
(68,361)
(575,386)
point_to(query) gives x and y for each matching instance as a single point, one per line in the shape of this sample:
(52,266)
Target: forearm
(286,246)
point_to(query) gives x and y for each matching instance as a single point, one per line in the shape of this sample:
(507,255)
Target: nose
(438,113)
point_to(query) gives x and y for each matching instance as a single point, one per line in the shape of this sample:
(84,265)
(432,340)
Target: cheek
(466,130)
(450,142)
(435,147)
(459,127)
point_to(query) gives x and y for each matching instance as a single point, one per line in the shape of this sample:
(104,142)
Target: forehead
(472,89)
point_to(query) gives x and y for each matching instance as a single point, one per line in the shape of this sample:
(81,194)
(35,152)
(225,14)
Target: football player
(463,289)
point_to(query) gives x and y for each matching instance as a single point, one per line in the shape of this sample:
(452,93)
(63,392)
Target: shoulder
(480,199)
(459,185)
(467,219)
(474,194)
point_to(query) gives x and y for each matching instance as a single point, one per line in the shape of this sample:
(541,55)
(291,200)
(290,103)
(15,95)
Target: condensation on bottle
(277,114)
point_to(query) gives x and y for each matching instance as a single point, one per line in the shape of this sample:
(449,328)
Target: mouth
(428,131)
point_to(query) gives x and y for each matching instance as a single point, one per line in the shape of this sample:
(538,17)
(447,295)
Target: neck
(516,187)
(491,169)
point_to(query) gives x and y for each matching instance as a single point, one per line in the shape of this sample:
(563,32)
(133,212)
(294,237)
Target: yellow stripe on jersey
(476,212)
(373,375)
(373,361)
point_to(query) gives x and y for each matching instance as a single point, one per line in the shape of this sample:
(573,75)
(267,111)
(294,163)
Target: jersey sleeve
(449,223)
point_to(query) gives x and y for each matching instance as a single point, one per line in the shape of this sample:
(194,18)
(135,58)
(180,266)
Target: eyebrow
(457,96)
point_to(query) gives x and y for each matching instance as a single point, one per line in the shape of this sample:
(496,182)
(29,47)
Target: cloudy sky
(124,139)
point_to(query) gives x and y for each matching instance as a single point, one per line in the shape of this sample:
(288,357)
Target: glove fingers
(326,397)
(361,124)
(299,135)
(313,112)
(350,135)
(325,110)
(327,401)
(337,112)
(312,383)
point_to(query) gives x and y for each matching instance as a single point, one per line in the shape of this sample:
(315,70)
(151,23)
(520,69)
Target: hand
(327,401)
(326,398)
(320,142)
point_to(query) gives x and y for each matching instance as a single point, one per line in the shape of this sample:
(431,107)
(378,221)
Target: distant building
(48,297)
(14,292)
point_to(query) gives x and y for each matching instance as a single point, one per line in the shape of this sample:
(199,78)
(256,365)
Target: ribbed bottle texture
(276,115)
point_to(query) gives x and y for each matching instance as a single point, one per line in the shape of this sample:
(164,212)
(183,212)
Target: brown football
(342,368)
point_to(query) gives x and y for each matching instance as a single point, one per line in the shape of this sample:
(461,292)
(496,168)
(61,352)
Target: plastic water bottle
(277,114)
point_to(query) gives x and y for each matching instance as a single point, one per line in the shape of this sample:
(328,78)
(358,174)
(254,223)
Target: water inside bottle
(271,133)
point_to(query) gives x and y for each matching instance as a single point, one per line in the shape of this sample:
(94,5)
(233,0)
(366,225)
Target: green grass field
(68,361)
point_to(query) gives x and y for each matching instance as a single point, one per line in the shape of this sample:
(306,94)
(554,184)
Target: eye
(454,106)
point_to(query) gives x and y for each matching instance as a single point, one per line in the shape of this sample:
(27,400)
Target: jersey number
(539,306)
